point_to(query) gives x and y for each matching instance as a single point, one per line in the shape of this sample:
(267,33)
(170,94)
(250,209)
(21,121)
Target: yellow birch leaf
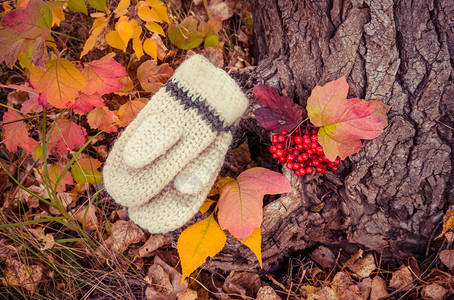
(122,8)
(148,15)
(197,242)
(114,40)
(60,82)
(128,111)
(88,46)
(155,27)
(141,4)
(97,15)
(254,242)
(137,29)
(161,11)
(125,31)
(151,48)
(137,47)
(206,205)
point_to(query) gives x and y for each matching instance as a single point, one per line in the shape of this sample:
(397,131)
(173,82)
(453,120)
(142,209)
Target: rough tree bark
(393,194)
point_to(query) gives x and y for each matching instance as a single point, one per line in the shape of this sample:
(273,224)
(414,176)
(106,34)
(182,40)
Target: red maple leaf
(66,135)
(102,75)
(16,134)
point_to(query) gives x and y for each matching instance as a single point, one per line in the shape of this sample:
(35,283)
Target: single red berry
(318,169)
(290,157)
(337,161)
(281,139)
(309,170)
(284,132)
(334,168)
(279,153)
(299,147)
(306,146)
(279,146)
(282,159)
(298,139)
(319,150)
(314,138)
(310,151)
(325,158)
(273,149)
(275,138)
(296,165)
(314,145)
(305,156)
(316,163)
(289,165)
(302,171)
(298,173)
(314,131)
(323,170)
(305,131)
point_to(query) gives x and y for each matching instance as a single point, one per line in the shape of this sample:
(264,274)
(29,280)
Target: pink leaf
(84,103)
(66,135)
(16,133)
(33,105)
(102,76)
(278,112)
(240,206)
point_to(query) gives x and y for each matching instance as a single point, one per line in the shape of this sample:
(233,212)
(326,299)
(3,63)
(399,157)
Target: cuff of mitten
(206,83)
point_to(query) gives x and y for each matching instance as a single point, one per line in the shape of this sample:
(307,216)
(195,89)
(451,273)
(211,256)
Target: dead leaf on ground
(378,289)
(65,200)
(221,9)
(365,287)
(325,293)
(18,274)
(124,233)
(448,222)
(267,293)
(188,295)
(401,278)
(153,243)
(433,292)
(215,55)
(344,286)
(163,281)
(7,250)
(447,258)
(152,77)
(87,217)
(363,267)
(243,283)
(30,200)
(324,256)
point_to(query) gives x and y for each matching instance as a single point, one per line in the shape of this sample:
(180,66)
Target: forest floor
(63,237)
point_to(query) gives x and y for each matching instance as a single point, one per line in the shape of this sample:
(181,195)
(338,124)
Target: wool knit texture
(171,209)
(198,104)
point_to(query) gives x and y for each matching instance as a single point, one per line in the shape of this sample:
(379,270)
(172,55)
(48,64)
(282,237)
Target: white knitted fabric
(171,209)
(195,106)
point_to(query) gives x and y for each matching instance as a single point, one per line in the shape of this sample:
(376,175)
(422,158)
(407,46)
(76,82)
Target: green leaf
(185,35)
(77,6)
(211,40)
(85,170)
(98,4)
(45,16)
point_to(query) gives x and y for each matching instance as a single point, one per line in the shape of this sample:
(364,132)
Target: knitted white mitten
(171,208)
(180,121)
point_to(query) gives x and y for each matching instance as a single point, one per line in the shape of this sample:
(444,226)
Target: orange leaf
(137,46)
(16,133)
(155,27)
(148,15)
(240,206)
(54,173)
(102,76)
(128,111)
(125,31)
(66,135)
(152,77)
(254,242)
(344,122)
(102,118)
(197,242)
(122,8)
(60,82)
(114,40)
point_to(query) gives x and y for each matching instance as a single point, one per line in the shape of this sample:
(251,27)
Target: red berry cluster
(302,152)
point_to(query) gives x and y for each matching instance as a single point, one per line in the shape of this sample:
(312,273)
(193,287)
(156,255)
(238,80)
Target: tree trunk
(392,195)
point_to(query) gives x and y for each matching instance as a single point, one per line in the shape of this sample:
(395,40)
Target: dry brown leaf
(49,241)
(324,256)
(151,76)
(401,278)
(162,49)
(17,97)
(124,233)
(325,293)
(221,9)
(188,295)
(7,250)
(18,274)
(87,217)
(447,258)
(267,293)
(378,289)
(364,288)
(65,201)
(243,283)
(163,281)
(344,286)
(215,55)
(153,243)
(32,201)
(363,267)
(433,292)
